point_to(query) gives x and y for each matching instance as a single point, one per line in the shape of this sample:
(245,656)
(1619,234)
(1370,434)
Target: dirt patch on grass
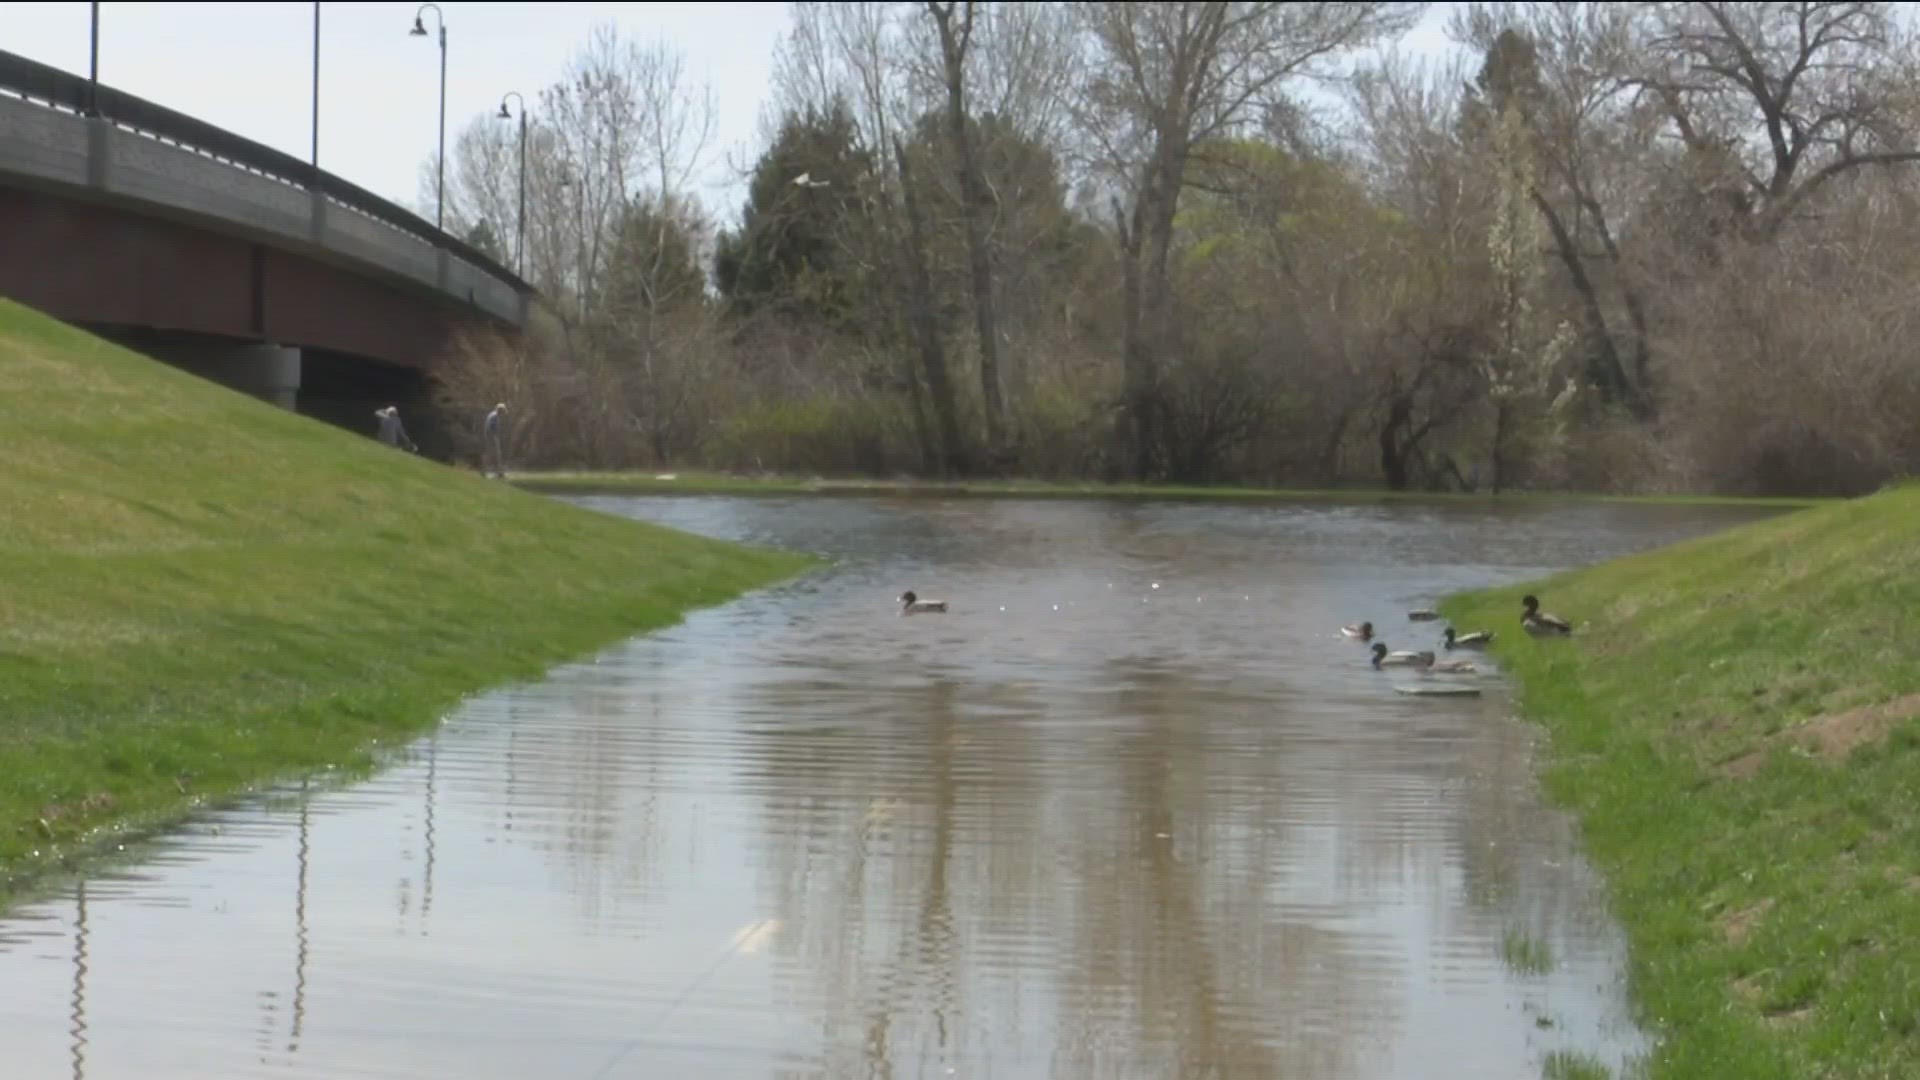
(1736,925)
(1831,738)
(1834,736)
(1787,1017)
(1778,1015)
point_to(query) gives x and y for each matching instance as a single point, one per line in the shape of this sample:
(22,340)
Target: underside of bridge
(334,387)
(230,259)
(286,328)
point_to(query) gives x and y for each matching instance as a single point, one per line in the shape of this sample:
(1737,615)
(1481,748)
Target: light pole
(440,182)
(520,221)
(93,63)
(316,92)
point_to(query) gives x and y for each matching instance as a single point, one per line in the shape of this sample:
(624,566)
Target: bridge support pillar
(276,374)
(266,371)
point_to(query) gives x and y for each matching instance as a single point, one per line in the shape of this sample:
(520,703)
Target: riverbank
(200,592)
(1737,723)
(704,483)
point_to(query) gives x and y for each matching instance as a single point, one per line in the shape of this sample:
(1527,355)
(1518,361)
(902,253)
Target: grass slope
(710,483)
(1735,722)
(199,591)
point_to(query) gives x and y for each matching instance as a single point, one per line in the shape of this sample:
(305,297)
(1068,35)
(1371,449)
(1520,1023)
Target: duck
(1362,631)
(1539,623)
(1479,639)
(1457,667)
(1383,658)
(913,605)
(1422,615)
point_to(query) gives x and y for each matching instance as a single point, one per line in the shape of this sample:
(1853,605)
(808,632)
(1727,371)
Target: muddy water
(1081,826)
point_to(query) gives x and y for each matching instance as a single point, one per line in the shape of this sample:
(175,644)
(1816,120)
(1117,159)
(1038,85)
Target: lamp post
(93,62)
(316,92)
(520,220)
(440,181)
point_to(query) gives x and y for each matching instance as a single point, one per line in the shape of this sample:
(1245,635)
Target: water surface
(1131,809)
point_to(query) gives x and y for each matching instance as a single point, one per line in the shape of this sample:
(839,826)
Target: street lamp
(440,182)
(93,63)
(520,222)
(316,92)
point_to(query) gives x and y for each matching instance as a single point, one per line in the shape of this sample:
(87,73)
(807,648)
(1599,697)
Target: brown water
(1081,826)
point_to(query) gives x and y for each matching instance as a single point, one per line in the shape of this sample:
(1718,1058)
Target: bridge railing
(33,81)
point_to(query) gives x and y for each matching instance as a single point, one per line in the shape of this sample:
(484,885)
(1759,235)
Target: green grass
(1758,821)
(1525,953)
(1569,1065)
(710,483)
(200,592)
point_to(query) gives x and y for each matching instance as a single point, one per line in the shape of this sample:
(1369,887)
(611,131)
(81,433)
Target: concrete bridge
(226,257)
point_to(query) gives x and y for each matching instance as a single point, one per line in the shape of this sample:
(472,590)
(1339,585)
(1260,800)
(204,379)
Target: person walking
(392,432)
(494,461)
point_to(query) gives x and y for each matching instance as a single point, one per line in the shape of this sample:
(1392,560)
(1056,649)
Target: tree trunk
(1135,358)
(922,427)
(973,197)
(1636,311)
(1393,462)
(1330,449)
(933,360)
(1606,370)
(1496,465)
(1161,202)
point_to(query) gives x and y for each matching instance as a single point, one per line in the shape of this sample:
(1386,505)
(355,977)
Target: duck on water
(913,605)
(1383,658)
(1479,639)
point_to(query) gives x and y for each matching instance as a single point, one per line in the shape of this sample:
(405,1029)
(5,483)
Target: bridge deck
(62,136)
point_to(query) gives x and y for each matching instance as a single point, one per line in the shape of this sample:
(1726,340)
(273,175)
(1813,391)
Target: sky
(248,68)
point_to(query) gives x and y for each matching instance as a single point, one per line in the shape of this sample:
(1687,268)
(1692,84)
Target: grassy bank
(706,483)
(1737,722)
(199,591)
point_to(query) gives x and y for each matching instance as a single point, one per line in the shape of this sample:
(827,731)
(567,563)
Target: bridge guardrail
(42,84)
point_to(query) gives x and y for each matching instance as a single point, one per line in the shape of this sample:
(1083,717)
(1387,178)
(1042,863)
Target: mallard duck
(1362,631)
(1458,667)
(1539,623)
(1422,615)
(913,605)
(1383,658)
(1479,639)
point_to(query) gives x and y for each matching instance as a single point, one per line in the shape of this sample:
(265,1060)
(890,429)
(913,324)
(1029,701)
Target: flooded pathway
(1131,809)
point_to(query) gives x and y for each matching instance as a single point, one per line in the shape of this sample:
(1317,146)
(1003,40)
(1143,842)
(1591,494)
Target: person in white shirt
(494,460)
(392,432)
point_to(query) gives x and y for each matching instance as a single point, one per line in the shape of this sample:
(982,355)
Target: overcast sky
(247,67)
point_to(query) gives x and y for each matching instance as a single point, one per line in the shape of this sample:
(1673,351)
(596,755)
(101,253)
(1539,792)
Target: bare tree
(624,123)
(1810,79)
(1428,315)
(1168,78)
(919,303)
(859,54)
(956,36)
